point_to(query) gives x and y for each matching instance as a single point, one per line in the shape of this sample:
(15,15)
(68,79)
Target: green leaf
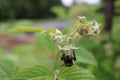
(25,29)
(35,72)
(52,30)
(55,31)
(84,56)
(6,69)
(44,43)
(75,73)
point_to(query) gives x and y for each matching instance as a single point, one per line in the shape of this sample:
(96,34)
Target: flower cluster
(83,28)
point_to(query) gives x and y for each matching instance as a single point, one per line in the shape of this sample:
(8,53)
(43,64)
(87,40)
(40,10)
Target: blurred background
(24,49)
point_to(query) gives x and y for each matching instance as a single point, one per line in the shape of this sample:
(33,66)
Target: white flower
(58,39)
(58,32)
(69,47)
(95,27)
(81,19)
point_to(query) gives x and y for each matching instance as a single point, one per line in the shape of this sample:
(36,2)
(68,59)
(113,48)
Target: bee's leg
(73,62)
(62,58)
(62,65)
(74,57)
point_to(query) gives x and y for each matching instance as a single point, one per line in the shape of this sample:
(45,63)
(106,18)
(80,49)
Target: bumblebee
(68,57)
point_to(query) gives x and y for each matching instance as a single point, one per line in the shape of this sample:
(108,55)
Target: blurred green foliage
(10,9)
(60,11)
(105,49)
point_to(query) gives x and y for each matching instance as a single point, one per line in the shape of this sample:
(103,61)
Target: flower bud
(81,19)
(83,31)
(95,27)
(58,39)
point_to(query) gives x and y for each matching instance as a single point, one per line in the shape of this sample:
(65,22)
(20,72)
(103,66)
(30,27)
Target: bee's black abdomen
(68,61)
(68,58)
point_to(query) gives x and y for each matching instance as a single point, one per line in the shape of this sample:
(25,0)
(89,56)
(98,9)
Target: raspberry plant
(67,51)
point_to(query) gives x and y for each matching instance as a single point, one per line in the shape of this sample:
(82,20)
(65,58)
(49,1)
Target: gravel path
(52,24)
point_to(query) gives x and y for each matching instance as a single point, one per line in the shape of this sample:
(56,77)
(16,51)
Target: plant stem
(54,66)
(55,60)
